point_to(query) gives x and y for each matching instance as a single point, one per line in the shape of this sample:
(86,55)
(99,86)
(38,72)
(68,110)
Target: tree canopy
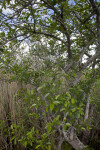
(62,64)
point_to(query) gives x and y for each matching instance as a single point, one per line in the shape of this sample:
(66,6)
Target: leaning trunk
(71,137)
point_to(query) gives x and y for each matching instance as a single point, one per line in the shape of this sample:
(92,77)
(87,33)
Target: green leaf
(37,146)
(64,119)
(56,102)
(68,95)
(74,109)
(49,147)
(82,128)
(78,115)
(49,20)
(39,88)
(73,101)
(63,109)
(66,104)
(33,105)
(49,128)
(8,2)
(28,133)
(57,118)
(47,95)
(67,125)
(13,137)
(57,97)
(15,141)
(80,5)
(25,144)
(1,49)
(46,109)
(28,92)
(32,91)
(51,107)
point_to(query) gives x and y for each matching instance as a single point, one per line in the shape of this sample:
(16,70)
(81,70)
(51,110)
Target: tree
(72,32)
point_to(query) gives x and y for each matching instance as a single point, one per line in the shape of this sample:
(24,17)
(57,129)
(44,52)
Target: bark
(91,113)
(71,137)
(87,108)
(88,104)
(60,144)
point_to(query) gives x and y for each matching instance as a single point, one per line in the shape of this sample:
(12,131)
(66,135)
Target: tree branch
(91,59)
(94,6)
(84,21)
(34,32)
(83,52)
(59,19)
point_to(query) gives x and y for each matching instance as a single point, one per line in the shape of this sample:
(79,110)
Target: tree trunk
(87,108)
(60,143)
(71,137)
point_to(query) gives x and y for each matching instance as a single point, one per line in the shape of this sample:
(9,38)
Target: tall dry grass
(10,108)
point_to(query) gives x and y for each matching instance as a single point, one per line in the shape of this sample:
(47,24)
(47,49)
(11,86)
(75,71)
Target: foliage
(58,75)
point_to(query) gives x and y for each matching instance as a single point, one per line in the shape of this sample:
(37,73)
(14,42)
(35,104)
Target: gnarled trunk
(71,137)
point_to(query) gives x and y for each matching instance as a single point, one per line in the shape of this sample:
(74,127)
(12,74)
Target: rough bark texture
(87,108)
(60,144)
(71,137)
